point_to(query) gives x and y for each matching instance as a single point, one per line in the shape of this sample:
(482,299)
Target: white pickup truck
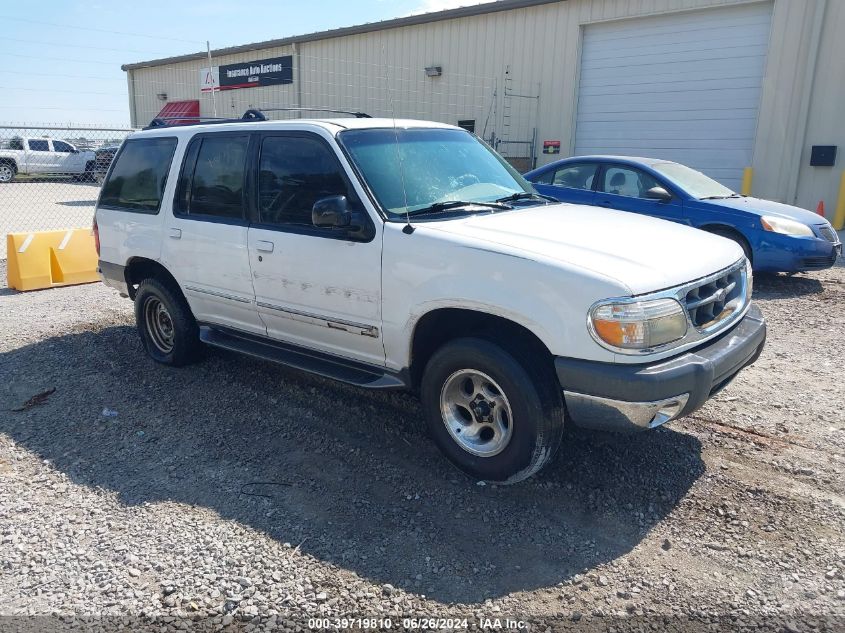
(44,156)
(409,255)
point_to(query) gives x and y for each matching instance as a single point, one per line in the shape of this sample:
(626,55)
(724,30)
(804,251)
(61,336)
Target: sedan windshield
(437,166)
(693,182)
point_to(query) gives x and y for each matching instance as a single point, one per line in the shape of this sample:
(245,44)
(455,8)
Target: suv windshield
(693,182)
(438,165)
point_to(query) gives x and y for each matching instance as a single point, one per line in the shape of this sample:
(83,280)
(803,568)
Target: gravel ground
(236,491)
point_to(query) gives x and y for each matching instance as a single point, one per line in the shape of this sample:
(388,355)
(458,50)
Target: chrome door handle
(176,233)
(263,246)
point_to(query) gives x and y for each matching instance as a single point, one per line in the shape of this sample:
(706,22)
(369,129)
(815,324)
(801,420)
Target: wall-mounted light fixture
(162,96)
(433,71)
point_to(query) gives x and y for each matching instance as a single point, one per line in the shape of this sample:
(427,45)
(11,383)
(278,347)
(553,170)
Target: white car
(310,243)
(44,156)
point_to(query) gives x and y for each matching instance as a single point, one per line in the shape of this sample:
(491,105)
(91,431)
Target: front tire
(494,415)
(167,328)
(7,172)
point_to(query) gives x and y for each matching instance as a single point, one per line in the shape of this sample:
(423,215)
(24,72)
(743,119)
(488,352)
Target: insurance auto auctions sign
(264,72)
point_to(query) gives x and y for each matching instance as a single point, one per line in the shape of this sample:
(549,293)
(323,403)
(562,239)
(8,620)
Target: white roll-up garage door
(683,86)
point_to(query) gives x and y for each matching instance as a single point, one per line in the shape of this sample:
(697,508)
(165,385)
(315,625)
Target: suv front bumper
(634,397)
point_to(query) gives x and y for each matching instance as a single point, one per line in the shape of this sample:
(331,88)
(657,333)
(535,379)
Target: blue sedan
(776,237)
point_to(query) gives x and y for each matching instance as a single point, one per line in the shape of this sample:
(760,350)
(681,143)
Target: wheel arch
(721,228)
(8,160)
(140,268)
(440,325)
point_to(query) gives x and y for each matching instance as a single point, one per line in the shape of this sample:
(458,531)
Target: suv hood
(642,253)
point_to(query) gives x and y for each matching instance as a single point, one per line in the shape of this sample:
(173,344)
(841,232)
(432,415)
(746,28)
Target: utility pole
(213,80)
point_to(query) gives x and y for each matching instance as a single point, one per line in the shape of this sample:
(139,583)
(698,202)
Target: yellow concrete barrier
(747,177)
(839,216)
(45,259)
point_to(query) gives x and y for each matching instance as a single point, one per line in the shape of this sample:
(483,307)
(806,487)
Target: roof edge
(411,20)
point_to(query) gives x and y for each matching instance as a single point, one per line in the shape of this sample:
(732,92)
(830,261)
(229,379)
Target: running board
(320,363)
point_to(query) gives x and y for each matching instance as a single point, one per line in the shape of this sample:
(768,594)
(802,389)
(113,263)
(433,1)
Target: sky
(62,58)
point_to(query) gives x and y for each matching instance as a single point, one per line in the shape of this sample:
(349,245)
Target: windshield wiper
(733,195)
(448,205)
(526,195)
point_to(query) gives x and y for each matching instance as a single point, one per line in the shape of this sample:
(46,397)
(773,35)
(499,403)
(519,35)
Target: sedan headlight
(784,226)
(638,325)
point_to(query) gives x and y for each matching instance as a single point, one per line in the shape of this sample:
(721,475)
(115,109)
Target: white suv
(409,255)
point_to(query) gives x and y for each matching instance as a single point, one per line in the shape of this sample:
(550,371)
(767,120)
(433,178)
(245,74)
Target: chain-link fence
(50,175)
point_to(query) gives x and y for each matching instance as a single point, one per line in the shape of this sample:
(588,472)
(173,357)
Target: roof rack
(253,114)
(357,115)
(172,121)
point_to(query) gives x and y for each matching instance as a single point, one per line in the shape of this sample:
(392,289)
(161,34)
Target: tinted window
(579,176)
(139,175)
(39,146)
(217,180)
(627,181)
(61,146)
(467,124)
(295,172)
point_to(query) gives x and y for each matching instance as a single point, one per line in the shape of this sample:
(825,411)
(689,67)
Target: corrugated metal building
(717,84)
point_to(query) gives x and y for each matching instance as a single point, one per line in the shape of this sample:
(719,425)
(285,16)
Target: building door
(684,87)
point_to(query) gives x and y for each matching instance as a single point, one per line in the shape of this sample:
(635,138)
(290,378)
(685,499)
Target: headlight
(638,325)
(787,227)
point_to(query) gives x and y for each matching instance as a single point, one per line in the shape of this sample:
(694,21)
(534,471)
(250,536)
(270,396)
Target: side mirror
(331,212)
(658,193)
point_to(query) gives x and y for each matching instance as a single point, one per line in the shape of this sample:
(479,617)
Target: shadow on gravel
(776,286)
(353,478)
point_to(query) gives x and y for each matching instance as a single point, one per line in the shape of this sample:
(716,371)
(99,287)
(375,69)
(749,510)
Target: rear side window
(39,146)
(212,182)
(137,180)
(578,176)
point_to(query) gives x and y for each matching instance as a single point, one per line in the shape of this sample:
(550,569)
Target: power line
(76,92)
(63,59)
(65,75)
(96,48)
(91,28)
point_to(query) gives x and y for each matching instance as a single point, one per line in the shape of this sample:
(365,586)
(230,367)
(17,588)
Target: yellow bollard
(747,177)
(839,216)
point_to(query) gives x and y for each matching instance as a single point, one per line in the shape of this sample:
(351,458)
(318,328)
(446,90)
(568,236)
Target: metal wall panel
(539,48)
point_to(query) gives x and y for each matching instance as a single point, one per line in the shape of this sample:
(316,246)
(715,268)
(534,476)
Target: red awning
(180,112)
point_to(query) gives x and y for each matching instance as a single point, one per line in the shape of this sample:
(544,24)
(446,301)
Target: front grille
(816,263)
(716,299)
(827,233)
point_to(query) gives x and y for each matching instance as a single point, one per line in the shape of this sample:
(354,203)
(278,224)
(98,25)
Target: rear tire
(494,415)
(168,330)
